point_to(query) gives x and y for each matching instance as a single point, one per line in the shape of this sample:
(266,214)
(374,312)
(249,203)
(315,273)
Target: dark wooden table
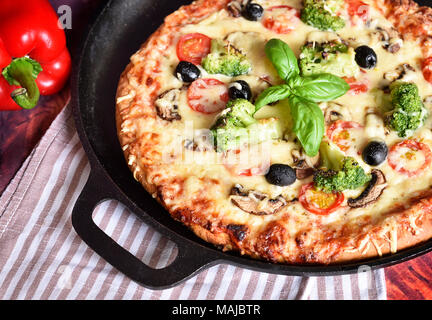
(20,131)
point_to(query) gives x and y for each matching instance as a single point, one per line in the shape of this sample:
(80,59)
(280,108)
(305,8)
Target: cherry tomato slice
(340,132)
(357,8)
(427,69)
(406,151)
(319,202)
(207,95)
(193,47)
(281,19)
(251,161)
(357,86)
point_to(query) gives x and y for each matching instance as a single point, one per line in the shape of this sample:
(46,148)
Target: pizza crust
(138,89)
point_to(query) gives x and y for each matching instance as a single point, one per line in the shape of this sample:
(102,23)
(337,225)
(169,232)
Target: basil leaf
(271,95)
(319,87)
(308,120)
(283,58)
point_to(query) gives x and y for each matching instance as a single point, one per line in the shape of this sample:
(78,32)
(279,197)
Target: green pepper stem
(28,95)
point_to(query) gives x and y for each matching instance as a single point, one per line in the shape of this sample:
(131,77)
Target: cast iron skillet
(116,34)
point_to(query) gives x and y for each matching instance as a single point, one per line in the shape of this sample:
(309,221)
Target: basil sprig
(303,93)
(283,58)
(308,123)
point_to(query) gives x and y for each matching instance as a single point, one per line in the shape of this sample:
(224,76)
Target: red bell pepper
(34,59)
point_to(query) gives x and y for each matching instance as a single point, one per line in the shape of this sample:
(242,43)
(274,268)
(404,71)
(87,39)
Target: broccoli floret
(321,14)
(236,127)
(225,59)
(329,57)
(338,172)
(408,112)
(238,113)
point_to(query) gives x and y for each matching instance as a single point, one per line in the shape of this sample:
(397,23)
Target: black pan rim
(217,256)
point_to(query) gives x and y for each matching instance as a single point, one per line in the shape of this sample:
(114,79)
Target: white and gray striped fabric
(41,256)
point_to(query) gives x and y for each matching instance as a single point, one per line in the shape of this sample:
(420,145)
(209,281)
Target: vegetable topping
(375,153)
(255,202)
(207,95)
(193,47)
(410,157)
(408,112)
(281,175)
(240,89)
(318,202)
(338,172)
(253,11)
(281,19)
(225,59)
(236,127)
(366,57)
(247,162)
(358,11)
(372,192)
(357,86)
(329,57)
(187,72)
(345,134)
(322,14)
(427,69)
(303,93)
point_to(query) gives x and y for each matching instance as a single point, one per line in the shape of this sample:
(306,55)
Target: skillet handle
(187,263)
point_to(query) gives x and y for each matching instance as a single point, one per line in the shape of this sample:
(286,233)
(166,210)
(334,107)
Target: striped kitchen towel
(41,256)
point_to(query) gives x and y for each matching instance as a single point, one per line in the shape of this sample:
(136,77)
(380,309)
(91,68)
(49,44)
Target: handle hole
(131,233)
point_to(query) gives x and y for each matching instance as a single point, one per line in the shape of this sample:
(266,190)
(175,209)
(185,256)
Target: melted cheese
(250,38)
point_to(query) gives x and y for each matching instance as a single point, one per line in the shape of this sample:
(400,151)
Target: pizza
(292,131)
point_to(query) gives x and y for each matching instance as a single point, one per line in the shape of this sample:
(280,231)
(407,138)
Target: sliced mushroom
(390,38)
(255,202)
(167,105)
(402,71)
(239,190)
(299,156)
(235,7)
(303,170)
(193,145)
(372,192)
(202,141)
(305,166)
(334,111)
(374,124)
(394,46)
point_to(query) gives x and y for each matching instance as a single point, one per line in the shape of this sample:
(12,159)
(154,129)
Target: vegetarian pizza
(290,131)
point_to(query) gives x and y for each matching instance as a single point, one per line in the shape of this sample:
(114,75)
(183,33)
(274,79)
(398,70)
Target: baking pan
(117,32)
